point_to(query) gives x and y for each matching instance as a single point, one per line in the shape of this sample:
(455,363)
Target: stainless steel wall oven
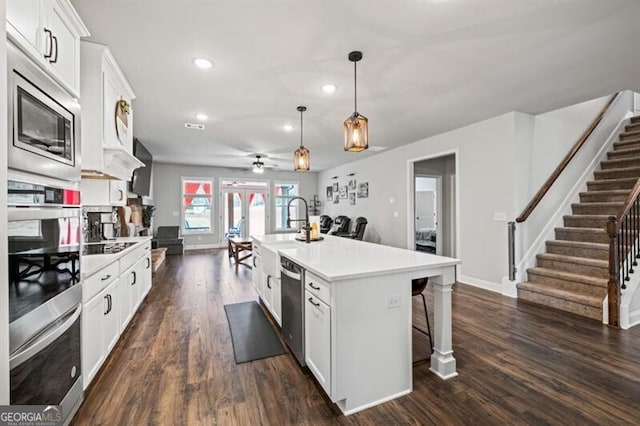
(45,298)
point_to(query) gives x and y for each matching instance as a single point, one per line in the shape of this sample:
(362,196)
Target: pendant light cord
(355,88)
(301,145)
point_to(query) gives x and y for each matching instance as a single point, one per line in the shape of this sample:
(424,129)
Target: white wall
(484,155)
(167,193)
(4,294)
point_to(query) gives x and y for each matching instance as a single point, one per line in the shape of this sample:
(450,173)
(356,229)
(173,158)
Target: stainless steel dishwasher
(292,280)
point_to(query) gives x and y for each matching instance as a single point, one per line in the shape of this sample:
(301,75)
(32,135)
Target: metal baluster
(625,258)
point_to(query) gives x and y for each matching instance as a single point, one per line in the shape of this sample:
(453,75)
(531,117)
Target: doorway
(433,195)
(244,209)
(427,194)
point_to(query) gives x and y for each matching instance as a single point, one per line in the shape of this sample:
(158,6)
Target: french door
(244,212)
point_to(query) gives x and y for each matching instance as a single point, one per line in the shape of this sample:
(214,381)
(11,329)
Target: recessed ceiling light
(203,63)
(329,88)
(288,127)
(202,117)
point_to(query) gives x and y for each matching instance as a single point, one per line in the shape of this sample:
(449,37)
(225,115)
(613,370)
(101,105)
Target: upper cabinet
(107,115)
(49,32)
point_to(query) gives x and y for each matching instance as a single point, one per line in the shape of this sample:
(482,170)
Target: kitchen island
(357,313)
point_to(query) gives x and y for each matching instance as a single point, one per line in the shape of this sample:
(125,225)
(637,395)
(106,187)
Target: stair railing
(624,250)
(546,186)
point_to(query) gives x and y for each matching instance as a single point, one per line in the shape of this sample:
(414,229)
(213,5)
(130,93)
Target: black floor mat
(252,335)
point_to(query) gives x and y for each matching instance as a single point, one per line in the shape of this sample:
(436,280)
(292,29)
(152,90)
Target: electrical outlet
(392,302)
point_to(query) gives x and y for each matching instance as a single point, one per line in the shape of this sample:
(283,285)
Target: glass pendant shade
(302,160)
(301,157)
(356,133)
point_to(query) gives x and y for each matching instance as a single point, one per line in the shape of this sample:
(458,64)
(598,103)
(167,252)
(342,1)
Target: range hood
(117,164)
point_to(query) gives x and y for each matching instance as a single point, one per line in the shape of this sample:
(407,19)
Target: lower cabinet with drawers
(111,297)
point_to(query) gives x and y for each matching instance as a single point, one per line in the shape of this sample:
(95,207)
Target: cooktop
(105,248)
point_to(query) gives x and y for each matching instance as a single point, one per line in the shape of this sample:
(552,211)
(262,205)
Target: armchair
(340,225)
(169,238)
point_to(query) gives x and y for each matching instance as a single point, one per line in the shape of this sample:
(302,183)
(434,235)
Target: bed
(426,240)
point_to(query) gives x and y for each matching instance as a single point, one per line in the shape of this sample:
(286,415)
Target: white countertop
(90,264)
(337,258)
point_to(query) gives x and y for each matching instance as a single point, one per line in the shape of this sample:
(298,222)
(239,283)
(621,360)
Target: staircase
(572,275)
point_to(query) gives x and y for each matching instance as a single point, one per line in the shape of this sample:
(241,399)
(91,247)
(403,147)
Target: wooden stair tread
(568,276)
(550,290)
(624,151)
(573,259)
(631,133)
(606,192)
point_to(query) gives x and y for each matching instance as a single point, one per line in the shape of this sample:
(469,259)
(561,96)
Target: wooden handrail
(564,163)
(628,202)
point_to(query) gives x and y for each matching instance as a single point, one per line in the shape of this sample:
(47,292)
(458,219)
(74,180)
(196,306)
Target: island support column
(442,361)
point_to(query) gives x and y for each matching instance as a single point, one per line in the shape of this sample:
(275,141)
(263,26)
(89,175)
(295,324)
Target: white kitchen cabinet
(49,32)
(100,329)
(317,329)
(124,290)
(256,272)
(107,141)
(111,317)
(93,354)
(103,192)
(111,297)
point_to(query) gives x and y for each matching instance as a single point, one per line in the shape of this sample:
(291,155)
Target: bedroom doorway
(433,221)
(426,213)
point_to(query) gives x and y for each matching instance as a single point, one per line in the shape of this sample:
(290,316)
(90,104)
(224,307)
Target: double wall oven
(45,295)
(44,236)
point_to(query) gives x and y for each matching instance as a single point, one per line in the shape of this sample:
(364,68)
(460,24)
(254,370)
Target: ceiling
(429,66)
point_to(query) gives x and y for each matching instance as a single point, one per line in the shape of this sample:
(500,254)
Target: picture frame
(343,192)
(363,190)
(352,185)
(329,193)
(352,198)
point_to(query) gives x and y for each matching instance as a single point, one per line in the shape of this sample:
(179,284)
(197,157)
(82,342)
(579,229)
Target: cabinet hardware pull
(254,263)
(317,305)
(148,262)
(135,277)
(106,297)
(105,278)
(313,286)
(268,278)
(48,32)
(55,58)
(110,303)
(121,194)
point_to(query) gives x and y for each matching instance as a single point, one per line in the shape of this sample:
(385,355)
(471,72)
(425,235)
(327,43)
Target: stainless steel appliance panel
(44,130)
(292,284)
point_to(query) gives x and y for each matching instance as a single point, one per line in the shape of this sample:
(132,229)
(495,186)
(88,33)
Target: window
(283,193)
(197,205)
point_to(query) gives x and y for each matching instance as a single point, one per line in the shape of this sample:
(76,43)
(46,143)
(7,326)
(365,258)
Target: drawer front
(132,258)
(318,287)
(99,281)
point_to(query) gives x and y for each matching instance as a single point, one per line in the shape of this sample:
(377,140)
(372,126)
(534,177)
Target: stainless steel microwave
(44,121)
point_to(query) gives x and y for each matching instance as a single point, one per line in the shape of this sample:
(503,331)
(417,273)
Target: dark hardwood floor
(518,364)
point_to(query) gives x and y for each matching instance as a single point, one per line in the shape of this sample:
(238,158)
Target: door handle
(48,33)
(55,58)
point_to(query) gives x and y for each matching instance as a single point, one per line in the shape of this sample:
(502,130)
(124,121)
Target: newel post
(613,286)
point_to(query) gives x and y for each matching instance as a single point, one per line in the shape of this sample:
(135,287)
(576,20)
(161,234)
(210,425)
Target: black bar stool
(417,287)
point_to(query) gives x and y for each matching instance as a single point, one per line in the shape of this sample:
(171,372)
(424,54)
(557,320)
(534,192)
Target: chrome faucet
(307,225)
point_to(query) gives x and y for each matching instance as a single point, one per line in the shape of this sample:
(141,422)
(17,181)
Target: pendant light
(258,166)
(356,127)
(301,156)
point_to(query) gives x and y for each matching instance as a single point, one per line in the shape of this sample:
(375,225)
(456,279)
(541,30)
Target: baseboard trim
(348,412)
(204,246)
(480,283)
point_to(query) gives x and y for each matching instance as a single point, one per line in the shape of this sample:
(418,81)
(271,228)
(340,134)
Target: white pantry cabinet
(49,32)
(103,192)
